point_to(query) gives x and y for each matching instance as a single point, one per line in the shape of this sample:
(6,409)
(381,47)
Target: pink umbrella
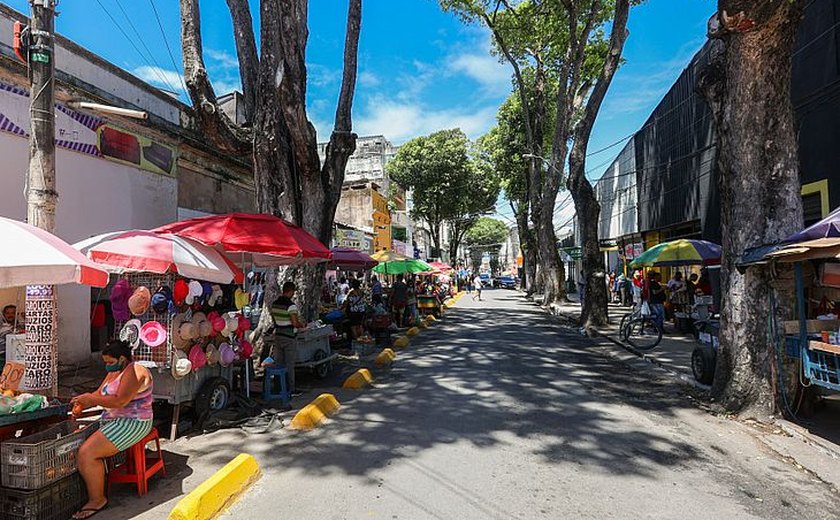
(349,258)
(33,256)
(441,266)
(127,251)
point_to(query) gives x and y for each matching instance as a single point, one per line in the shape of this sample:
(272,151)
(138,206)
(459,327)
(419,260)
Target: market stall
(168,300)
(267,241)
(38,442)
(814,337)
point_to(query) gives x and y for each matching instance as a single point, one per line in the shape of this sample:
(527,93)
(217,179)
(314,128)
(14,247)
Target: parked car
(507,282)
(486,280)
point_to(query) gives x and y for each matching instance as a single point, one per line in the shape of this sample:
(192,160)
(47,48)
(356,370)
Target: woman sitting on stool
(126,395)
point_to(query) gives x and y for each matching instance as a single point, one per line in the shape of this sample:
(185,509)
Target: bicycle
(640,331)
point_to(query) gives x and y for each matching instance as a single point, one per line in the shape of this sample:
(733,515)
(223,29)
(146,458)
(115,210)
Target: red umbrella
(270,240)
(349,258)
(441,266)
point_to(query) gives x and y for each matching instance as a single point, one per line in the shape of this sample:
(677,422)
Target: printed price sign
(11,376)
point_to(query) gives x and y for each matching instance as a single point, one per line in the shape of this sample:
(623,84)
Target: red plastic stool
(137,468)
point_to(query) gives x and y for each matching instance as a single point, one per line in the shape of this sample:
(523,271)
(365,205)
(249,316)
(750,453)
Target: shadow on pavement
(124,503)
(492,369)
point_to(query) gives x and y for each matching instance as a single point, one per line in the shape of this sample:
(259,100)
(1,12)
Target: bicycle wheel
(622,327)
(643,333)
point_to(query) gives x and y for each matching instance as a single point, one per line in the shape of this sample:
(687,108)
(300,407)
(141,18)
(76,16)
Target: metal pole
(41,195)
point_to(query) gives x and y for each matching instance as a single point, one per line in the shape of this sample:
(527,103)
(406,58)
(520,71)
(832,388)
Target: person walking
(399,300)
(477,287)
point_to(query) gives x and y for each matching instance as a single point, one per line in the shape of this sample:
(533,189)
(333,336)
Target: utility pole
(41,374)
(41,195)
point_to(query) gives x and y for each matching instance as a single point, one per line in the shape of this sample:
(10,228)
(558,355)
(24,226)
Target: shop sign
(575,253)
(87,134)
(11,376)
(354,239)
(633,250)
(40,350)
(399,247)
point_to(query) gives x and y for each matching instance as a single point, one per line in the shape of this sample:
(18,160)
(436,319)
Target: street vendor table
(31,422)
(309,348)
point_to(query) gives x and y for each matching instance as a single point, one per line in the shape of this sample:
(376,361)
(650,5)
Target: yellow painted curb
(423,325)
(413,331)
(401,342)
(218,492)
(430,318)
(385,358)
(313,414)
(358,379)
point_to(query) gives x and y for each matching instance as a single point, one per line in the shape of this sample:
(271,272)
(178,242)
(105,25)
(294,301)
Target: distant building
(112,173)
(369,199)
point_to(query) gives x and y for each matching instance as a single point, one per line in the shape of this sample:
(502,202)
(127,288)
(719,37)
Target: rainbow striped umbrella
(679,252)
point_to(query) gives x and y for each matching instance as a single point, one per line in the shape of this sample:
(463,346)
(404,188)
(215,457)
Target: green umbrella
(393,263)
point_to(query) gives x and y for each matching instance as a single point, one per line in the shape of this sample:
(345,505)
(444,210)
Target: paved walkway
(500,412)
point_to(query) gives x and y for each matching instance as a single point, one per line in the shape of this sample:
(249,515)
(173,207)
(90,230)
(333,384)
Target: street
(501,412)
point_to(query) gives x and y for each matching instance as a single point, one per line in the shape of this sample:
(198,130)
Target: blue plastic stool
(276,377)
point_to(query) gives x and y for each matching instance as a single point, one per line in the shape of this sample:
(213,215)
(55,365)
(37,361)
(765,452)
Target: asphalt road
(501,412)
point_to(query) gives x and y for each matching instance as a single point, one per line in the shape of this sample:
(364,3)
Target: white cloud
(493,76)
(223,86)
(222,59)
(160,77)
(321,75)
(368,79)
(400,121)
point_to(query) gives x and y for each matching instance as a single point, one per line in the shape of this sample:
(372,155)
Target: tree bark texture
(748,87)
(290,180)
(594,311)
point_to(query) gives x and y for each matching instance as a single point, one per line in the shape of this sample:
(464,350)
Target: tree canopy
(448,184)
(486,232)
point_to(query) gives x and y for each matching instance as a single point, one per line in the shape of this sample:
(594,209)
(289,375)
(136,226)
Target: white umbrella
(144,251)
(32,256)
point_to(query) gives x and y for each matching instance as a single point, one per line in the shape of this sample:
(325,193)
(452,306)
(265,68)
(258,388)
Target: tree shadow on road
(484,375)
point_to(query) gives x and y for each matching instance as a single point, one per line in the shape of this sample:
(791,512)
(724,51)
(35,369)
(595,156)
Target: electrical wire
(122,31)
(166,43)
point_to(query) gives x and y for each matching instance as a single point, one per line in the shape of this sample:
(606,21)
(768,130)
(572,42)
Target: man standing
(657,298)
(399,300)
(477,287)
(375,286)
(286,317)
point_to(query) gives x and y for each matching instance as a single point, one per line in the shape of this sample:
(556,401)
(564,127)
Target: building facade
(664,183)
(112,173)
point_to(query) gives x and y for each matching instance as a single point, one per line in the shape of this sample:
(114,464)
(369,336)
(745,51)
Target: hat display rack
(160,356)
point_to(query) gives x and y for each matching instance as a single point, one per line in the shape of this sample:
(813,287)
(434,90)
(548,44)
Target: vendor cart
(429,304)
(313,350)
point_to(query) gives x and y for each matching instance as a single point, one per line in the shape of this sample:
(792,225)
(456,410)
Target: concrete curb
(218,492)
(358,379)
(315,413)
(385,358)
(802,433)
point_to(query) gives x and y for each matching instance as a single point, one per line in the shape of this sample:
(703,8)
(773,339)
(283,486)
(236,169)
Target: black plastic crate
(57,501)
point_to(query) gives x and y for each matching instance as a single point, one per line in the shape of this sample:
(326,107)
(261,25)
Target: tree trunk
(748,88)
(529,251)
(594,311)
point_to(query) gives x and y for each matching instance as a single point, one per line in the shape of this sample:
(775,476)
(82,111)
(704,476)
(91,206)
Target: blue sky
(420,69)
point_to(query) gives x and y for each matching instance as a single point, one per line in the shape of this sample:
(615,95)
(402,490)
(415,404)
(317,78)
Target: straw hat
(202,324)
(181,366)
(139,301)
(212,354)
(179,340)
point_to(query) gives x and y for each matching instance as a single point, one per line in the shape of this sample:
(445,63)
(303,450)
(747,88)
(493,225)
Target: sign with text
(12,375)
(40,351)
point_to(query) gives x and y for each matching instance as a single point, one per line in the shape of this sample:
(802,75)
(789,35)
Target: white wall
(95,196)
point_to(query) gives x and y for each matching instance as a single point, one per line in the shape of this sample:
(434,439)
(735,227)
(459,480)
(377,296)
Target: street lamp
(543,159)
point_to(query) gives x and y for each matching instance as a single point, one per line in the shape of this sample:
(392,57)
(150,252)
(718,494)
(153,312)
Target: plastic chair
(137,468)
(276,377)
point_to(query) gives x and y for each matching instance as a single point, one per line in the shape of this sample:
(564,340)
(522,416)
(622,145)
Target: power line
(131,42)
(166,42)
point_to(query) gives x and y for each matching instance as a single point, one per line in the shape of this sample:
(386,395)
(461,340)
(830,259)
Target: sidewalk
(811,452)
(673,353)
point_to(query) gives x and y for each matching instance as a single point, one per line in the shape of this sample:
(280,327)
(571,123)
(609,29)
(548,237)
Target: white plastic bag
(645,309)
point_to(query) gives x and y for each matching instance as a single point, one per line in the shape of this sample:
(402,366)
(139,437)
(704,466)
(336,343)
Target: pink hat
(216,321)
(140,300)
(197,357)
(244,324)
(153,334)
(120,294)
